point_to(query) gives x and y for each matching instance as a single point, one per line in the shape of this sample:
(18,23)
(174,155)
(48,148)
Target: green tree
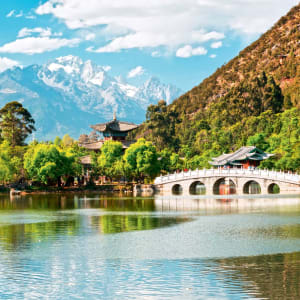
(176,163)
(141,159)
(110,159)
(258,140)
(6,165)
(16,123)
(273,98)
(67,141)
(45,163)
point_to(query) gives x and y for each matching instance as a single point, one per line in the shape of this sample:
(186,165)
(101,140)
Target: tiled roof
(115,125)
(243,153)
(99,144)
(86,160)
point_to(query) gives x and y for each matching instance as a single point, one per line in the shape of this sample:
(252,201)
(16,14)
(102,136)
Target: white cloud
(216,45)
(30,17)
(90,36)
(188,51)
(138,71)
(134,23)
(19,15)
(10,14)
(156,54)
(33,45)
(168,23)
(213,56)
(6,63)
(41,31)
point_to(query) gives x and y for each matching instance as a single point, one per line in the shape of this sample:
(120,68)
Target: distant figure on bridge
(247,157)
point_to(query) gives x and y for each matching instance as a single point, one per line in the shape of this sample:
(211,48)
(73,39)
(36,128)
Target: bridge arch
(177,189)
(224,186)
(197,188)
(251,187)
(273,188)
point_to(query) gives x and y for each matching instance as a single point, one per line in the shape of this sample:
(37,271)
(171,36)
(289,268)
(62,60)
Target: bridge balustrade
(268,174)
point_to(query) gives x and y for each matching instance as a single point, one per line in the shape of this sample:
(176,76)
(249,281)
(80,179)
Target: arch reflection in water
(197,188)
(252,187)
(231,204)
(224,186)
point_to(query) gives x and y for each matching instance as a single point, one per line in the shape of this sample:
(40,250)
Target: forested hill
(253,99)
(276,52)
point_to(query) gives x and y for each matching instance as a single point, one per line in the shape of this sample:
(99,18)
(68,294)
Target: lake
(108,247)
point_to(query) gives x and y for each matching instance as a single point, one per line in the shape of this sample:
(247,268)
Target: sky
(179,41)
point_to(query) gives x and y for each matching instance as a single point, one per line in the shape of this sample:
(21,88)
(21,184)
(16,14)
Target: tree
(258,140)
(110,159)
(141,159)
(273,96)
(45,163)
(67,141)
(16,123)
(6,167)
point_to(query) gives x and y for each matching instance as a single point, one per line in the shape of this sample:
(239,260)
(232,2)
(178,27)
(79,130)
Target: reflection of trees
(22,236)
(37,202)
(114,223)
(121,223)
(267,276)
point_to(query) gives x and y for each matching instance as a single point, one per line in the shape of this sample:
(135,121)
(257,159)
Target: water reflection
(27,221)
(228,204)
(265,276)
(91,246)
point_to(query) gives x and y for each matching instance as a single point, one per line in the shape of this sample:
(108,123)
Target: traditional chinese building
(245,157)
(114,130)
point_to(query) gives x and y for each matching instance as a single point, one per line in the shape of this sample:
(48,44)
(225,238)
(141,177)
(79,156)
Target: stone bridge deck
(287,182)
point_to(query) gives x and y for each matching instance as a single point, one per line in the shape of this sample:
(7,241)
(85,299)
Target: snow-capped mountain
(67,95)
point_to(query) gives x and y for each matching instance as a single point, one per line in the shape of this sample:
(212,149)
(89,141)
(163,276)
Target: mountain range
(67,94)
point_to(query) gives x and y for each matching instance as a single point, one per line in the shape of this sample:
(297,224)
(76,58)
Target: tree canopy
(16,123)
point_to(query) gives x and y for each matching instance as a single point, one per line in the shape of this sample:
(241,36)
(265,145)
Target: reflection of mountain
(266,276)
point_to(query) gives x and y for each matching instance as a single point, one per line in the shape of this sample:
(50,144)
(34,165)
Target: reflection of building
(245,157)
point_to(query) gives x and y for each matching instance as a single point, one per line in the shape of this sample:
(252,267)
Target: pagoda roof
(86,160)
(99,144)
(115,125)
(244,153)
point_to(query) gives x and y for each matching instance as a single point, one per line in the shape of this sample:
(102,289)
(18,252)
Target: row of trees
(174,146)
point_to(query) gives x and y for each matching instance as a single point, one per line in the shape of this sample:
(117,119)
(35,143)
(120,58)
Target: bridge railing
(258,173)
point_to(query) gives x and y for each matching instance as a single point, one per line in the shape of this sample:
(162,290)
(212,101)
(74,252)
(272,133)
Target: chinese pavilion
(113,130)
(245,157)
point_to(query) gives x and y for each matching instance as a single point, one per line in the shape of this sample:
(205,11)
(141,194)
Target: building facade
(246,157)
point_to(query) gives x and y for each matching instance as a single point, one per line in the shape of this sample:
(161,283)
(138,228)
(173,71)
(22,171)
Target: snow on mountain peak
(73,94)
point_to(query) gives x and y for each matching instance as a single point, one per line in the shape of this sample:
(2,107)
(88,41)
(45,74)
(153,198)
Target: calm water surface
(96,247)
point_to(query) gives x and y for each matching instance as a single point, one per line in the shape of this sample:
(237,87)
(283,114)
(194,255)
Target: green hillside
(253,99)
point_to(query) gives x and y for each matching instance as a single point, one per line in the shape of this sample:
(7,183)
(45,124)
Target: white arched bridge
(228,181)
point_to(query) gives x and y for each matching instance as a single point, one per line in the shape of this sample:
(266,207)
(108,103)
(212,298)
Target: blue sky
(181,42)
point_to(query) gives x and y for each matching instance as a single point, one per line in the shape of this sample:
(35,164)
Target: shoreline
(129,188)
(110,188)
